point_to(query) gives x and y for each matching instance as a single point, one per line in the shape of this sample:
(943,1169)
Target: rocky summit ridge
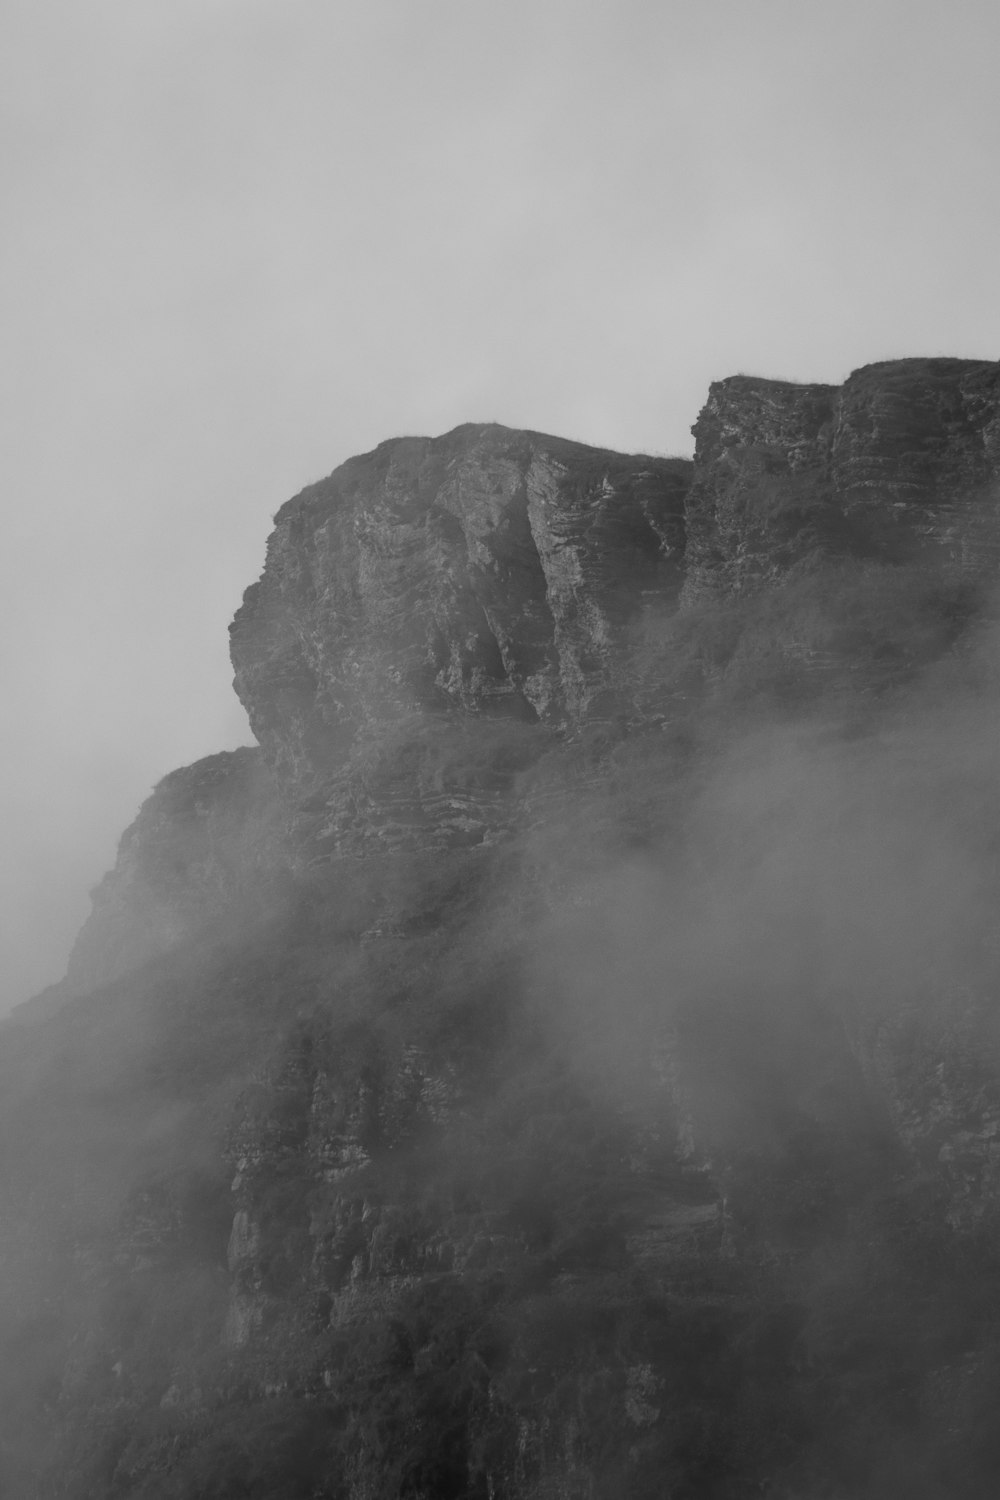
(487,577)
(560,1060)
(895,463)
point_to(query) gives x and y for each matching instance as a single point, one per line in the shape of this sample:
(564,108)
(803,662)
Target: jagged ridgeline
(562,1059)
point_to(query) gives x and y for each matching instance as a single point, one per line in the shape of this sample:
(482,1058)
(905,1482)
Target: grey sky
(243,239)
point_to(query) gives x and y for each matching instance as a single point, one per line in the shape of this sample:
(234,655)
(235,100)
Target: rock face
(901,461)
(486,578)
(561,1061)
(431,605)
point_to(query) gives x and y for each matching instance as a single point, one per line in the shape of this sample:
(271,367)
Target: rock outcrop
(901,462)
(430,606)
(428,601)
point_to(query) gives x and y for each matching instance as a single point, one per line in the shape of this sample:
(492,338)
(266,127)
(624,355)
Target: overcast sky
(244,239)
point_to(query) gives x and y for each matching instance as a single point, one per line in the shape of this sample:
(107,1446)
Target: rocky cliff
(428,600)
(899,463)
(561,1061)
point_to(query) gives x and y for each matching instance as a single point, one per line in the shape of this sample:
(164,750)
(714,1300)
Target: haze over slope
(561,1060)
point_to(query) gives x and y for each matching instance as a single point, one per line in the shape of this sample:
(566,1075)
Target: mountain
(561,1059)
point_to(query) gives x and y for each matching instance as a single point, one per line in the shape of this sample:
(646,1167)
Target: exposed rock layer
(499,580)
(901,460)
(485,575)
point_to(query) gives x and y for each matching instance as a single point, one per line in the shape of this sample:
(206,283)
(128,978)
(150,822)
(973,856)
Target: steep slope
(899,463)
(562,1061)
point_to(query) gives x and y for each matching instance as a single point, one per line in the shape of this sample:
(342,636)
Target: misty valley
(561,1059)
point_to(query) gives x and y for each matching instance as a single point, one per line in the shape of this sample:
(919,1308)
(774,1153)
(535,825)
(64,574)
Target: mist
(809,869)
(649,1145)
(687,1082)
(246,242)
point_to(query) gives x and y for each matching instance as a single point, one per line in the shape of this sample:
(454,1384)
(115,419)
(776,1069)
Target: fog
(248,240)
(752,941)
(245,240)
(811,875)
